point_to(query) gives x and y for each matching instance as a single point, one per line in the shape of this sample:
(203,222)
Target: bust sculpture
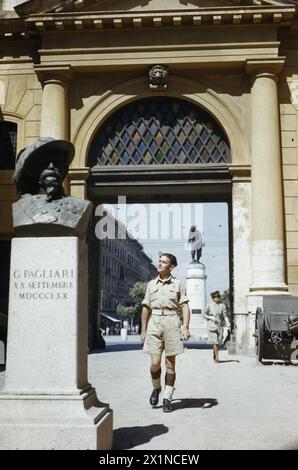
(43,209)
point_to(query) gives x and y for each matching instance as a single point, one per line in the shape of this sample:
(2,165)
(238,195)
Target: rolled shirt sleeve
(146,301)
(183,297)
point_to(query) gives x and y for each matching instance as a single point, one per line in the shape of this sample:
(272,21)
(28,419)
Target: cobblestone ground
(237,404)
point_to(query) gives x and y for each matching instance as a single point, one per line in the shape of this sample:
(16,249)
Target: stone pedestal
(196,292)
(47,402)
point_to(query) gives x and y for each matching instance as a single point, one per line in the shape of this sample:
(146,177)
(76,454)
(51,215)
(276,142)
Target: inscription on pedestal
(42,284)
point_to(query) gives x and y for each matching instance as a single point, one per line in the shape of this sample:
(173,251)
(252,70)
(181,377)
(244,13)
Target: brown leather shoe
(167,406)
(154,396)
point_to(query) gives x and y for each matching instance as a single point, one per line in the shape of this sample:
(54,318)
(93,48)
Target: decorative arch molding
(228,117)
(19,120)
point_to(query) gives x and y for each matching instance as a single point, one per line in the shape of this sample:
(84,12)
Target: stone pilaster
(267,234)
(77,181)
(55,106)
(54,110)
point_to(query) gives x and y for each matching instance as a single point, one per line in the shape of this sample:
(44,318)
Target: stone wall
(20,103)
(23,102)
(288,92)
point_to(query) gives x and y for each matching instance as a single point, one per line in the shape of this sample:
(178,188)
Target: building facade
(123,262)
(215,121)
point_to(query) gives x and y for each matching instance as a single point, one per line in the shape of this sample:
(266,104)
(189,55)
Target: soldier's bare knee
(155,362)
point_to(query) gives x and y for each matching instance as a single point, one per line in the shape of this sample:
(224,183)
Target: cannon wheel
(260,329)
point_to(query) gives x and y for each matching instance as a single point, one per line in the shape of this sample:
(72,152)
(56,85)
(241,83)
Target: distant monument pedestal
(47,402)
(196,292)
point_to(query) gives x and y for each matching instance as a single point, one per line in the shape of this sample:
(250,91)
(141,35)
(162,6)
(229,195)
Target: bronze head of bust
(43,163)
(44,209)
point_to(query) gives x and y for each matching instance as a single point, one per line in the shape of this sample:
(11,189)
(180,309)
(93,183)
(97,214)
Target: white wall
(241,245)
(242,266)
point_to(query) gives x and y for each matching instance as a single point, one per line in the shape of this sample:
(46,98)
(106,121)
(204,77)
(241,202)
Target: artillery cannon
(276,329)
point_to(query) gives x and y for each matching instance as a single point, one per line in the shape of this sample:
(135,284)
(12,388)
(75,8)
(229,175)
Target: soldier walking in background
(216,315)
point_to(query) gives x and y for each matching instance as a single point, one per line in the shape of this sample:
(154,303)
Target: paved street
(236,404)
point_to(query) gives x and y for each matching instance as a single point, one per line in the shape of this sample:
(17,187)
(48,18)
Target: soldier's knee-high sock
(215,352)
(169,390)
(155,377)
(170,379)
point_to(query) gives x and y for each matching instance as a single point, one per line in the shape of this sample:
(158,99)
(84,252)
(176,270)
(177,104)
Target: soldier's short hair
(172,258)
(216,293)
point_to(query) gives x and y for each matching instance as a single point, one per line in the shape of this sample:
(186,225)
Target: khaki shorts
(164,334)
(216,337)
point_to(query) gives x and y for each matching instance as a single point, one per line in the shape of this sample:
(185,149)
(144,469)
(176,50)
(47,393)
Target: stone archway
(234,181)
(165,143)
(226,112)
(159,131)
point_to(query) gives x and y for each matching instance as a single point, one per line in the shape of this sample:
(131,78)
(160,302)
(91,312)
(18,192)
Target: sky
(165,228)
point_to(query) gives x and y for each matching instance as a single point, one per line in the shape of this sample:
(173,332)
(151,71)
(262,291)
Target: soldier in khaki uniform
(216,315)
(161,326)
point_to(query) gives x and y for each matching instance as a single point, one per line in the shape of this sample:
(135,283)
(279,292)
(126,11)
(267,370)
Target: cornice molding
(240,173)
(27,8)
(265,66)
(131,19)
(78,20)
(61,73)
(78,174)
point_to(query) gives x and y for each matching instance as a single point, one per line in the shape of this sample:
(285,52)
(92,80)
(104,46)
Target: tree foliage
(133,312)
(137,292)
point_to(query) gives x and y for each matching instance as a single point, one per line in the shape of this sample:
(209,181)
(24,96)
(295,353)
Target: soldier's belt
(164,311)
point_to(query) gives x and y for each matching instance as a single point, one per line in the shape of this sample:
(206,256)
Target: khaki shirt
(164,294)
(219,314)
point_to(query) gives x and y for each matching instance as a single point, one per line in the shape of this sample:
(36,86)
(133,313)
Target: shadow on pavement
(182,403)
(122,346)
(127,438)
(118,347)
(272,362)
(2,367)
(196,345)
(231,360)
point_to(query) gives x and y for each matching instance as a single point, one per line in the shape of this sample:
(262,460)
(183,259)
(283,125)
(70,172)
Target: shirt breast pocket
(174,295)
(154,294)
